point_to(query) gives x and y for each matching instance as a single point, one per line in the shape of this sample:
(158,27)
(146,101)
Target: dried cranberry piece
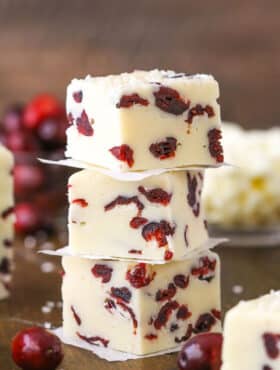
(186,235)
(186,336)
(174,327)
(124,201)
(121,294)
(183,313)
(5,266)
(270,341)
(131,313)
(151,336)
(78,96)
(138,275)
(204,323)
(206,266)
(81,202)
(123,153)
(216,314)
(170,101)
(70,118)
(93,340)
(135,251)
(164,149)
(192,194)
(128,101)
(76,316)
(109,305)
(266,367)
(7,243)
(156,195)
(158,231)
(7,212)
(181,281)
(164,314)
(84,126)
(168,255)
(199,110)
(166,294)
(136,222)
(215,146)
(102,271)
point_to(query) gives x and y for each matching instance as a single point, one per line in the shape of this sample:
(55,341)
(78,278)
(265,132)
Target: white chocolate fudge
(252,335)
(144,120)
(140,308)
(158,218)
(249,189)
(6,220)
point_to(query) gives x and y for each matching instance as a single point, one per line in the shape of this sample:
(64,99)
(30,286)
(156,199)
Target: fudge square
(144,120)
(6,220)
(140,308)
(158,218)
(252,335)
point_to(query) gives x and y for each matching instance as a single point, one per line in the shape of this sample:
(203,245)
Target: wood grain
(44,44)
(257,270)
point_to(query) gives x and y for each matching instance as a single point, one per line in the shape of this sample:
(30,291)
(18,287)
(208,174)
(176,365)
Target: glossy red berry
(36,349)
(40,108)
(20,141)
(27,178)
(202,352)
(28,218)
(12,120)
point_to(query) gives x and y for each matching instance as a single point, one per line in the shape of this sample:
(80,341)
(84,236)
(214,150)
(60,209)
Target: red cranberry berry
(183,313)
(51,132)
(28,218)
(164,149)
(28,178)
(78,96)
(102,271)
(170,101)
(36,349)
(158,231)
(123,153)
(40,108)
(164,314)
(192,197)
(136,222)
(202,352)
(128,101)
(93,340)
(166,294)
(181,281)
(84,125)
(271,341)
(121,294)
(5,266)
(156,195)
(76,316)
(151,336)
(124,201)
(138,276)
(199,110)
(204,323)
(21,141)
(215,146)
(168,255)
(80,202)
(12,120)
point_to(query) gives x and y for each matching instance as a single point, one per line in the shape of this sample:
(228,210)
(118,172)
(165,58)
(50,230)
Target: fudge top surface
(6,157)
(126,83)
(269,303)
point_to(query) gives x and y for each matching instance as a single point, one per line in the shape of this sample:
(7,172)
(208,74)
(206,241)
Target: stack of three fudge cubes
(141,277)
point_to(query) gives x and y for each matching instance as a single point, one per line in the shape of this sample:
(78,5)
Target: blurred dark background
(43,44)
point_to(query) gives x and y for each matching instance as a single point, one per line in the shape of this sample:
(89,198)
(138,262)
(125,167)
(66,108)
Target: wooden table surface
(256,270)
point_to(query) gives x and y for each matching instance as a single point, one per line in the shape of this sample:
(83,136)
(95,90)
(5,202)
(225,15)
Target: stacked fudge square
(140,277)
(6,220)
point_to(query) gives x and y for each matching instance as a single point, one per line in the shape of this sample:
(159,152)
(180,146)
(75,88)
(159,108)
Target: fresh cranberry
(12,120)
(156,195)
(123,153)
(170,101)
(28,178)
(20,141)
(36,349)
(84,125)
(40,108)
(202,352)
(158,231)
(28,218)
(164,149)
(215,146)
(128,101)
(139,275)
(51,132)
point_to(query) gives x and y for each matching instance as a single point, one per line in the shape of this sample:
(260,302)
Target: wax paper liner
(125,176)
(108,354)
(66,251)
